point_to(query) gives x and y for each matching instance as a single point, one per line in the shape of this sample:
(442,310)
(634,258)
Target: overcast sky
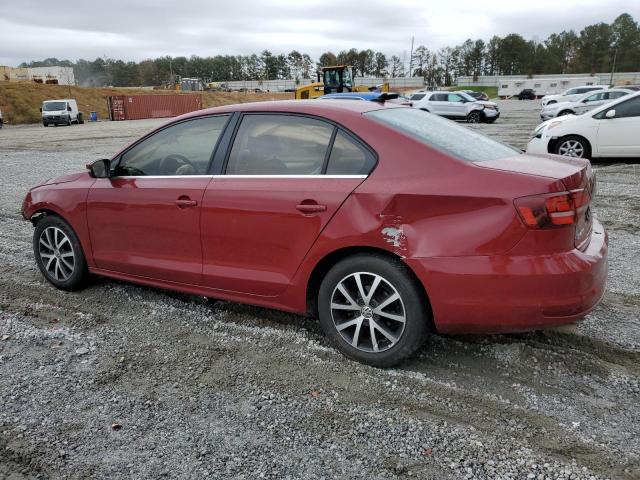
(139,29)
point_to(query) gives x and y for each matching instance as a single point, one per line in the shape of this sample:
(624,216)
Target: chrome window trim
(246,176)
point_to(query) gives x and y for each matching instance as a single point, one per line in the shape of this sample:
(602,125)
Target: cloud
(138,29)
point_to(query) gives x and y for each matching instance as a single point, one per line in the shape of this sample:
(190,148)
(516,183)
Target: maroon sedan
(385,222)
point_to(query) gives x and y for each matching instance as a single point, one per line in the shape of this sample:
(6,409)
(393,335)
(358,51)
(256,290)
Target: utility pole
(613,67)
(411,59)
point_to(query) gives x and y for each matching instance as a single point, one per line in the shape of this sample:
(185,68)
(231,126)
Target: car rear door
(283,179)
(145,219)
(438,104)
(619,135)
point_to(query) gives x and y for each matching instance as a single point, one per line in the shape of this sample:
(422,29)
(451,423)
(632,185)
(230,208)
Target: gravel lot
(122,381)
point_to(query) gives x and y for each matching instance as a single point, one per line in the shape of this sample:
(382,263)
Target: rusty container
(136,107)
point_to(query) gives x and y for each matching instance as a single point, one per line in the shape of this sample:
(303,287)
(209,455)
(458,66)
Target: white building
(52,75)
(542,86)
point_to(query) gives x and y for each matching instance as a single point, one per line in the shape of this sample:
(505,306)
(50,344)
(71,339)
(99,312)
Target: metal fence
(282,85)
(622,78)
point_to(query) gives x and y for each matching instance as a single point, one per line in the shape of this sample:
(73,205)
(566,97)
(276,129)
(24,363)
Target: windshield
(466,96)
(53,106)
(442,134)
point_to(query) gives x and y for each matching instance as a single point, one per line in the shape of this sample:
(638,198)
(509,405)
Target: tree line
(594,49)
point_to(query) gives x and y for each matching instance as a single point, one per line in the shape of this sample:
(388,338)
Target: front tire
(59,254)
(474,117)
(372,310)
(565,112)
(573,146)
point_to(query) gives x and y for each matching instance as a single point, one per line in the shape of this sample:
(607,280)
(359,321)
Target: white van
(60,112)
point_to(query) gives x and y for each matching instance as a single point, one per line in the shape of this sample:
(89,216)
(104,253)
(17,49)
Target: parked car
(61,112)
(583,104)
(571,94)
(610,130)
(369,97)
(477,95)
(456,106)
(527,94)
(384,221)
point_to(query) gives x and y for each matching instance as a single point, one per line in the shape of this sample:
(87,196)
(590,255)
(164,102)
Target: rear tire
(573,146)
(382,323)
(58,253)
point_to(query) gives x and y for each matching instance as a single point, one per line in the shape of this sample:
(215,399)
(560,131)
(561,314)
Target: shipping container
(136,107)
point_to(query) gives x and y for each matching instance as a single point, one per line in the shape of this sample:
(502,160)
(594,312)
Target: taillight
(552,211)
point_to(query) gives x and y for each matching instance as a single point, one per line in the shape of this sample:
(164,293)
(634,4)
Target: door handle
(184,202)
(311,208)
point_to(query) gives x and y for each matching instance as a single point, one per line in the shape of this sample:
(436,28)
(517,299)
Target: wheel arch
(40,213)
(325,264)
(551,146)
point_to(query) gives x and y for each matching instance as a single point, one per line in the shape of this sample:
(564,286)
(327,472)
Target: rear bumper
(505,293)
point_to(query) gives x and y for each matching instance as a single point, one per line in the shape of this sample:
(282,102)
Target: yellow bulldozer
(335,79)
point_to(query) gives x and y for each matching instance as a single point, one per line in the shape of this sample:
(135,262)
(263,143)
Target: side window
(454,98)
(630,108)
(438,97)
(279,145)
(573,91)
(181,149)
(594,98)
(417,96)
(614,95)
(348,157)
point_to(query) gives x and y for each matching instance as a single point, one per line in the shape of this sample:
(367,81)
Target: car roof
(309,107)
(362,95)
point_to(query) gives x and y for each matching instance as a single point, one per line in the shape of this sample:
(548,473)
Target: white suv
(456,106)
(572,94)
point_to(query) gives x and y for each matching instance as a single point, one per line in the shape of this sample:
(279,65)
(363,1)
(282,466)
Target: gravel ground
(122,381)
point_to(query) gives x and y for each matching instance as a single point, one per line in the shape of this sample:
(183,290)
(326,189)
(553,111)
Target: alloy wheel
(474,118)
(56,253)
(368,312)
(571,148)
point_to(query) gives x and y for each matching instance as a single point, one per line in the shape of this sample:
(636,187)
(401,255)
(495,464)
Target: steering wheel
(171,163)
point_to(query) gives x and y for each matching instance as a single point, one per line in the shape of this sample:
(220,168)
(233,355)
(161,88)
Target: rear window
(442,134)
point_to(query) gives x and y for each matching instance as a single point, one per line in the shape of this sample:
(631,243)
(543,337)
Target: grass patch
(21,102)
(491,91)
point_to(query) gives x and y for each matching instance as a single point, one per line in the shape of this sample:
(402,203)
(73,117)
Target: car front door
(457,107)
(619,135)
(284,178)
(588,103)
(145,219)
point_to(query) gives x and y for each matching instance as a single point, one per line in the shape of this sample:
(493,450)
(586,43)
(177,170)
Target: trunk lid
(575,175)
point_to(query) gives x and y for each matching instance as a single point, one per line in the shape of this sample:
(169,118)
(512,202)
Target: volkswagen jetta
(385,222)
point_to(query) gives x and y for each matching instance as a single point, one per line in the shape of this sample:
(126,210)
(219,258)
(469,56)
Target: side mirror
(68,109)
(610,114)
(100,168)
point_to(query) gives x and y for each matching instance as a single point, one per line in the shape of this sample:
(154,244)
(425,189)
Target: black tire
(66,278)
(45,124)
(410,335)
(565,112)
(474,117)
(561,145)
